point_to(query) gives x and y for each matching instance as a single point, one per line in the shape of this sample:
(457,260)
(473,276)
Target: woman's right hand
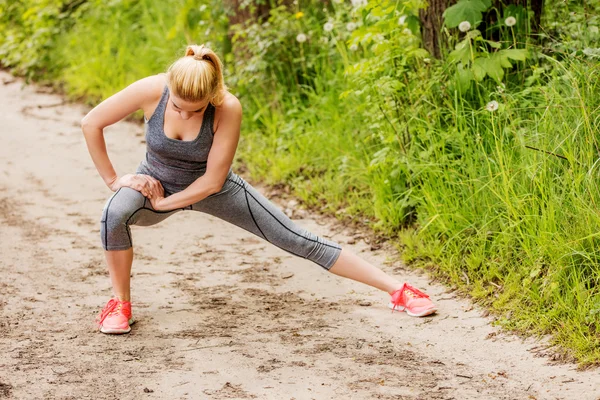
(145,184)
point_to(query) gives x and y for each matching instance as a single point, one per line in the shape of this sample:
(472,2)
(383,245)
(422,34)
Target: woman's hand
(157,203)
(145,184)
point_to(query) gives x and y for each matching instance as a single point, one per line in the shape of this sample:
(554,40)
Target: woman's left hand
(157,197)
(157,201)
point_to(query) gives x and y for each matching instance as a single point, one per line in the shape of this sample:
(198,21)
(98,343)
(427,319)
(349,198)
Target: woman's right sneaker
(115,317)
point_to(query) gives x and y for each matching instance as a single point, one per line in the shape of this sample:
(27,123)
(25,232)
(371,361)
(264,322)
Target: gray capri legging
(237,203)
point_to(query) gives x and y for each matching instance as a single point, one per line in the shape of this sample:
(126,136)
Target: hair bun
(195,51)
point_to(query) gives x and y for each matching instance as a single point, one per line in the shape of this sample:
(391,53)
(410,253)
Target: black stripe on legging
(106,218)
(252,215)
(145,208)
(282,224)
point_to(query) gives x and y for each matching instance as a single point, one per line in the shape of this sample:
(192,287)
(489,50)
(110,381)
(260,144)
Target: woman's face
(187,109)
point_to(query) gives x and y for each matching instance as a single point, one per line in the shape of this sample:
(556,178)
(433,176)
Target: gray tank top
(176,163)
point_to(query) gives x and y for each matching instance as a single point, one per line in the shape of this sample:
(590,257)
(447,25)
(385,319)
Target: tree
(432,21)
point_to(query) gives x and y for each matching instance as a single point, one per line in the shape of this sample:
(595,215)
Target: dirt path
(221,314)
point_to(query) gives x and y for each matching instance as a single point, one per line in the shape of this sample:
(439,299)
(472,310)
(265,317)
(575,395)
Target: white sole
(117,331)
(422,314)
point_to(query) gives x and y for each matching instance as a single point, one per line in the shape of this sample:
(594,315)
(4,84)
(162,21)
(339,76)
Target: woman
(192,131)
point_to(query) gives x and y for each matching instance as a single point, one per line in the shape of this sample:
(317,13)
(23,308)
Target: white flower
(328,27)
(464,26)
(354,47)
(510,21)
(350,26)
(378,38)
(301,38)
(492,106)
(402,20)
(359,3)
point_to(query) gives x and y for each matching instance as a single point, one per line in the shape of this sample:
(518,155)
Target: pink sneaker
(115,317)
(412,300)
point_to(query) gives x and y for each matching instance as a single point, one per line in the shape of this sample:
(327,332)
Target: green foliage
(474,62)
(466,10)
(30,29)
(477,57)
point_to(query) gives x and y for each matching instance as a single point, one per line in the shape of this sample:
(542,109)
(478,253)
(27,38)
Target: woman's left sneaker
(412,300)
(115,317)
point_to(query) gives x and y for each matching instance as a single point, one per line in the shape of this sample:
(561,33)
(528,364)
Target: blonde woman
(192,132)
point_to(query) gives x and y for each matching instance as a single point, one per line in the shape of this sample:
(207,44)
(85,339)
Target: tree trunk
(252,11)
(431,25)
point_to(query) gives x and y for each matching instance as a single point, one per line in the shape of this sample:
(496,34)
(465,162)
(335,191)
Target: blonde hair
(197,76)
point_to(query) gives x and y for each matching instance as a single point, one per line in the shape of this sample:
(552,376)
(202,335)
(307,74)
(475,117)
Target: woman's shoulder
(152,88)
(229,103)
(230,106)
(153,85)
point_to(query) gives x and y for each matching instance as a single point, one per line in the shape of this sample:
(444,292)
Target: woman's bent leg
(119,267)
(124,208)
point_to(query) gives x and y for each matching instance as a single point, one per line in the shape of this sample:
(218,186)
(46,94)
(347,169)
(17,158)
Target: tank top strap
(209,117)
(161,106)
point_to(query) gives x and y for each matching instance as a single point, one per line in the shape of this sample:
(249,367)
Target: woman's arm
(134,97)
(219,160)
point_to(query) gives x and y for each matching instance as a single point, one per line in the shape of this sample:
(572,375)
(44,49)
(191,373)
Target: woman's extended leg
(242,205)
(349,265)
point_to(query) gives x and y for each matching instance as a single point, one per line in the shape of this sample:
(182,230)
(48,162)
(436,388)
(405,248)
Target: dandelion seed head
(301,38)
(407,31)
(510,21)
(492,106)
(359,3)
(328,27)
(354,47)
(464,26)
(350,26)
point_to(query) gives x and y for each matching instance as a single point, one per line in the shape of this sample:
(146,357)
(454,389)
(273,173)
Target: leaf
(461,53)
(463,79)
(515,54)
(494,45)
(465,10)
(492,67)
(478,71)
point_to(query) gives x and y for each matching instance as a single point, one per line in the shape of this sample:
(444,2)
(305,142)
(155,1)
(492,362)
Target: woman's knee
(116,215)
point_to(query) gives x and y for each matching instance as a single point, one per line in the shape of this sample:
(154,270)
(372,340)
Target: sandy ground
(221,313)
